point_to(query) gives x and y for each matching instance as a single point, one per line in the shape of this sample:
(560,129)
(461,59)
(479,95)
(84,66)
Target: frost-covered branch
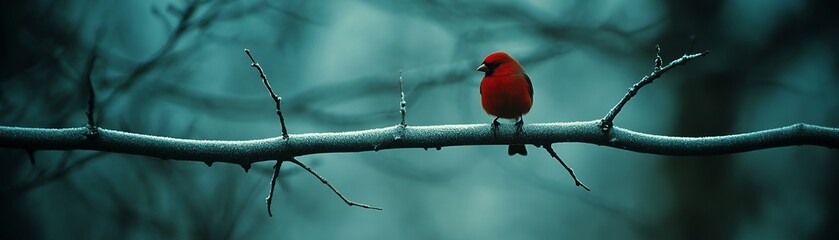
(249,151)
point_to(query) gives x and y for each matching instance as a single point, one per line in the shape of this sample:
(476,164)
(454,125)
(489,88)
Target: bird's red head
(499,63)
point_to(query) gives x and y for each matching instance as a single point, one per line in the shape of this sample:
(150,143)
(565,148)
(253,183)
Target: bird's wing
(529,84)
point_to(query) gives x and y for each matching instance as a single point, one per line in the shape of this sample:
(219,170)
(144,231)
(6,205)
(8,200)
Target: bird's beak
(482,68)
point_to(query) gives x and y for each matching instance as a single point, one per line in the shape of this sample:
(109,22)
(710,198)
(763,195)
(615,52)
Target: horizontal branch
(250,151)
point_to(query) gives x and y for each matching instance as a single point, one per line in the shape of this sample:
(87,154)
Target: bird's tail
(517,149)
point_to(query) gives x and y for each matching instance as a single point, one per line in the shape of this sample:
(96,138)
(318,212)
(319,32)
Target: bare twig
(274,96)
(607,122)
(323,180)
(570,171)
(91,124)
(402,104)
(273,183)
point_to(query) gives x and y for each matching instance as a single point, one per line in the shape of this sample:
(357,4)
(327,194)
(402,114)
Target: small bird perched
(506,92)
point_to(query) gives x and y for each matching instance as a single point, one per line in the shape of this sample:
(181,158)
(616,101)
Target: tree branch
(249,151)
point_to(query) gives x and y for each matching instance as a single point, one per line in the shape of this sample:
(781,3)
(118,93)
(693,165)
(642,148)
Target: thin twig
(402,104)
(91,124)
(607,122)
(323,180)
(274,96)
(273,183)
(570,171)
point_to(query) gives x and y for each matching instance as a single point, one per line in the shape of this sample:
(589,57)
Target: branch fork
(279,163)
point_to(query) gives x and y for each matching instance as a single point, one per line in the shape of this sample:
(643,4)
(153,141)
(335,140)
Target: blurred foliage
(176,68)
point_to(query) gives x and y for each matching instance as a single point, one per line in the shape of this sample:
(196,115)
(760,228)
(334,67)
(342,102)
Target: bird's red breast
(506,91)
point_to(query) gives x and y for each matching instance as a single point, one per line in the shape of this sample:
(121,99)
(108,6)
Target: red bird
(506,92)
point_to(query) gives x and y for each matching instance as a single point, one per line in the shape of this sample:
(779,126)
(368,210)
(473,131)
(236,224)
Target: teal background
(336,64)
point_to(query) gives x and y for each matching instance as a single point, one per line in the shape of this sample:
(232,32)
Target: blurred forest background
(176,68)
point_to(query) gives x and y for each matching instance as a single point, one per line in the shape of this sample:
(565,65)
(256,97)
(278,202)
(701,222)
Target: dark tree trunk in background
(711,201)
